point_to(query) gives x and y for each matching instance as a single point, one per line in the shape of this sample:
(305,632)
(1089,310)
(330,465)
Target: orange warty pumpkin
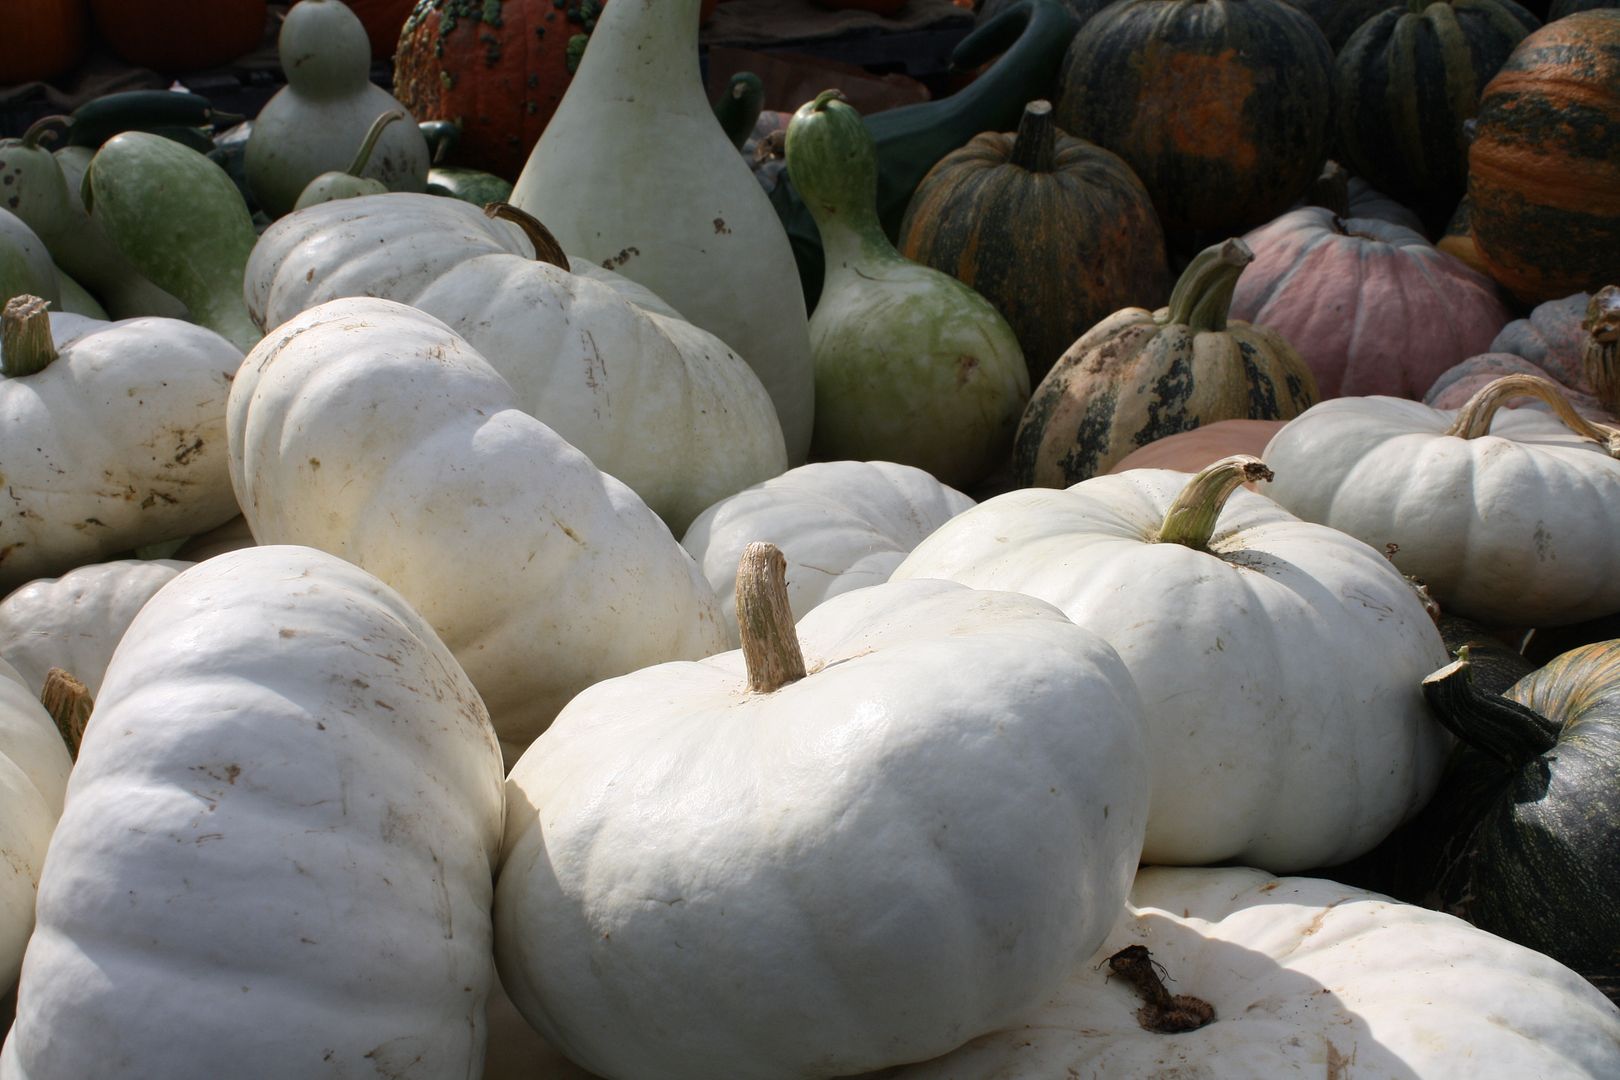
(43,38)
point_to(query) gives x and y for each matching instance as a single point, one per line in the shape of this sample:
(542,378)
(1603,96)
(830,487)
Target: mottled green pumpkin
(1544,165)
(1055,231)
(1407,79)
(1140,375)
(1222,107)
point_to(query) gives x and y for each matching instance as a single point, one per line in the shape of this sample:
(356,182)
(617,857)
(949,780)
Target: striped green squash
(1407,80)
(1340,18)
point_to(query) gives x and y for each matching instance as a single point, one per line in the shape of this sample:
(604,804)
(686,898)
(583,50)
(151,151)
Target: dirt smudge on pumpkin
(1338,1063)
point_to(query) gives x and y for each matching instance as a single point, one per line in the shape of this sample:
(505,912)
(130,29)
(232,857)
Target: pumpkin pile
(1058,580)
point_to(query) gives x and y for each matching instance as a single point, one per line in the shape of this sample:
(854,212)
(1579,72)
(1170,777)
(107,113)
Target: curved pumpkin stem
(26,347)
(770,644)
(1190,521)
(1475,417)
(1202,297)
(1601,358)
(362,157)
(1512,733)
(546,247)
(43,130)
(1035,146)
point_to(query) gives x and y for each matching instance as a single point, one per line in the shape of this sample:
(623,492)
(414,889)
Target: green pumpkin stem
(1474,418)
(770,644)
(26,347)
(1500,727)
(69,703)
(1331,190)
(44,126)
(546,247)
(1191,519)
(1601,358)
(362,157)
(1035,146)
(1203,294)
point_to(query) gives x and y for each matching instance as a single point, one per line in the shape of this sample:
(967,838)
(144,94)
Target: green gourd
(347,183)
(312,124)
(911,365)
(178,217)
(739,106)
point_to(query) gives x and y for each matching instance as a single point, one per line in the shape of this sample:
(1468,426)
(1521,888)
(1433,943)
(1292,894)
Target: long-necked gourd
(634,172)
(911,365)
(313,124)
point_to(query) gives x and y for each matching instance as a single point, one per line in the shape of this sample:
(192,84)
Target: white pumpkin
(713,870)
(841,524)
(277,854)
(34,766)
(371,430)
(74,622)
(1305,978)
(1279,660)
(1507,515)
(117,442)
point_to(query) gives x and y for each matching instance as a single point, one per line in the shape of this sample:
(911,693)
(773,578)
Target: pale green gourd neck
(324,49)
(26,347)
(770,641)
(368,145)
(646,47)
(1601,358)
(1474,419)
(833,163)
(1191,519)
(1202,298)
(69,704)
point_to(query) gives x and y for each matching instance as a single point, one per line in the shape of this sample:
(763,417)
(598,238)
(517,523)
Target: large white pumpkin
(34,766)
(277,853)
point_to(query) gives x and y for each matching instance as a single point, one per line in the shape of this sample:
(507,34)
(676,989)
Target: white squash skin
(119,442)
(34,768)
(1286,725)
(1308,978)
(862,868)
(278,850)
(841,525)
(1515,528)
(370,430)
(74,622)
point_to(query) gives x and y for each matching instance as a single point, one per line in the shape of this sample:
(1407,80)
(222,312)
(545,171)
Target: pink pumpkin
(1372,306)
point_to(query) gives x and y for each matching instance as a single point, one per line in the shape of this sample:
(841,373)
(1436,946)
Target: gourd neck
(833,164)
(1478,412)
(1202,298)
(324,50)
(1601,358)
(26,347)
(1035,146)
(362,157)
(646,47)
(770,644)
(1498,727)
(1190,521)
(546,247)
(69,704)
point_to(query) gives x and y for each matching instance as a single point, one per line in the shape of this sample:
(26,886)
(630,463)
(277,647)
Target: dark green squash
(1339,19)
(1054,231)
(1407,79)
(1222,107)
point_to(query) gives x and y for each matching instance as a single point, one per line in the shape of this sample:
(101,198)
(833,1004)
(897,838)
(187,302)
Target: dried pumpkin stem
(1161,1011)
(1191,519)
(1601,358)
(26,347)
(1331,190)
(362,157)
(1035,146)
(1475,417)
(1512,733)
(770,644)
(69,703)
(1202,297)
(546,247)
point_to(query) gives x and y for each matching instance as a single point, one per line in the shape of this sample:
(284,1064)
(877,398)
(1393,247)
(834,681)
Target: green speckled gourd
(911,365)
(1140,375)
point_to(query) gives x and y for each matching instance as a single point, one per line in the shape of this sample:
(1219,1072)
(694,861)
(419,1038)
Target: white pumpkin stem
(362,157)
(1191,519)
(770,644)
(1601,358)
(1474,418)
(26,347)
(546,247)
(69,703)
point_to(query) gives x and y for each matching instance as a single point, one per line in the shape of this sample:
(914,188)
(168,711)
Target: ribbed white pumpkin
(1307,978)
(278,849)
(371,430)
(867,866)
(34,768)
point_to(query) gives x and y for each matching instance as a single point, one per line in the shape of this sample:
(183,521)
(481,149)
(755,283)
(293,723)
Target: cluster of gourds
(551,638)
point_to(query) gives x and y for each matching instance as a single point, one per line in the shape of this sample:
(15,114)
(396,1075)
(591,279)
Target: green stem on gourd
(42,127)
(546,247)
(1601,357)
(26,347)
(1035,146)
(1191,519)
(1331,190)
(69,703)
(362,157)
(770,644)
(1203,294)
(1474,418)
(1500,727)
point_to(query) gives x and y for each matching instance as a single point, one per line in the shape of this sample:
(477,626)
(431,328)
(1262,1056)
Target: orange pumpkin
(43,39)
(180,35)
(1191,451)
